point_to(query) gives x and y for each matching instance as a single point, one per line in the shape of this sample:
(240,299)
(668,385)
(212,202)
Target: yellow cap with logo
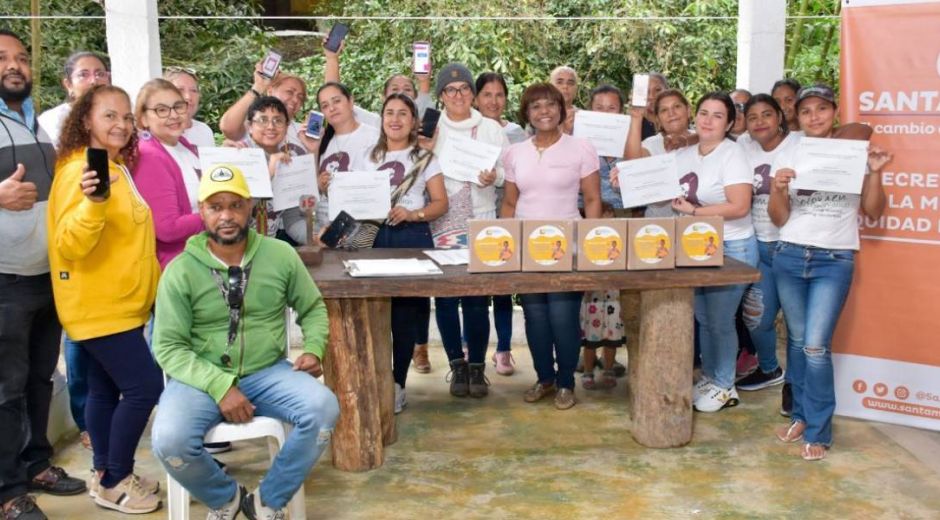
(223,178)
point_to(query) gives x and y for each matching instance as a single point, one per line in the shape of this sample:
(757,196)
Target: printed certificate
(291,181)
(250,161)
(648,180)
(364,195)
(463,158)
(607,132)
(837,165)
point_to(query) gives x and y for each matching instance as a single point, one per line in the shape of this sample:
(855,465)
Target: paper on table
(391,267)
(463,158)
(250,161)
(607,132)
(641,87)
(291,181)
(648,180)
(836,165)
(450,256)
(364,195)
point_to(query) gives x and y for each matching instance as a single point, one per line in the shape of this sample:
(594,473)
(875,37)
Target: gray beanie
(453,72)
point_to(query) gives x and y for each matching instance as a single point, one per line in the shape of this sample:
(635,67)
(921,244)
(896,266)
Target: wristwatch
(420,215)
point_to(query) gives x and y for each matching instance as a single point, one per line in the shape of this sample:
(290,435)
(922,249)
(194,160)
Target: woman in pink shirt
(544,176)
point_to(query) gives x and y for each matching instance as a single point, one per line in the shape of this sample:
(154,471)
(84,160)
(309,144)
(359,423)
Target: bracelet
(255,92)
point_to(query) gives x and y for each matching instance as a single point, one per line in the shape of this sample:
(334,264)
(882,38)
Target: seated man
(220,335)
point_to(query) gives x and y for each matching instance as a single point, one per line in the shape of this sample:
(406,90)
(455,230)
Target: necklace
(541,149)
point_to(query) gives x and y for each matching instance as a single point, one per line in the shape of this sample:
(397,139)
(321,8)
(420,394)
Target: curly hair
(75,136)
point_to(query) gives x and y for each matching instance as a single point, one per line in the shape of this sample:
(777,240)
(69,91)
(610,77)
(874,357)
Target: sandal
(813,451)
(587,381)
(607,380)
(791,433)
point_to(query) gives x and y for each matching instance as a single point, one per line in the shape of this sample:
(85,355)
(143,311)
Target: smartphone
(314,125)
(97,159)
(422,58)
(342,227)
(270,64)
(337,34)
(429,122)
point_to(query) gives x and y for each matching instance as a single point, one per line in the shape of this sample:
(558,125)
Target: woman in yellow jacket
(102,253)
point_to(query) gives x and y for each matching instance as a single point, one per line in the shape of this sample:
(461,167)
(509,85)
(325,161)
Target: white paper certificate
(837,165)
(641,87)
(607,132)
(648,180)
(293,180)
(250,161)
(463,158)
(364,195)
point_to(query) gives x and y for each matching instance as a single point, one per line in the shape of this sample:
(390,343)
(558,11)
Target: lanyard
(234,296)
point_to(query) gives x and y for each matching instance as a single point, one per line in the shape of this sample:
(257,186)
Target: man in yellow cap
(219,334)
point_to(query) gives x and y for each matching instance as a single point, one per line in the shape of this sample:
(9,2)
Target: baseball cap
(223,178)
(821,91)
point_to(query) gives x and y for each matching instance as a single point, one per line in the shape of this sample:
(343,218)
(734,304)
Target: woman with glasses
(82,71)
(102,248)
(184,79)
(167,170)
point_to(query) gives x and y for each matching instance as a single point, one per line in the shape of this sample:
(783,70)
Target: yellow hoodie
(102,256)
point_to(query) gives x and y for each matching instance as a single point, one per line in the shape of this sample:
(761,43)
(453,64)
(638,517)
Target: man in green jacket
(220,334)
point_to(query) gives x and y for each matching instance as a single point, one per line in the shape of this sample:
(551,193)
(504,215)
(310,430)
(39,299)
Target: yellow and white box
(549,245)
(602,244)
(651,243)
(699,241)
(494,246)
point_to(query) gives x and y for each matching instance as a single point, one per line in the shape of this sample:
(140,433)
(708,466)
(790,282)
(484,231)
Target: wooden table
(358,366)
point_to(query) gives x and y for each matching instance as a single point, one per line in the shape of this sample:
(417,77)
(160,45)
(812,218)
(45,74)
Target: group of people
(218,266)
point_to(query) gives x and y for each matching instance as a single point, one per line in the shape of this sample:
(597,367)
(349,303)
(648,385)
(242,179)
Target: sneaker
(786,400)
(715,398)
(23,507)
(698,387)
(537,392)
(759,379)
(55,481)
(503,361)
(218,447)
(746,364)
(401,399)
(420,359)
(479,384)
(564,399)
(150,486)
(619,369)
(230,510)
(128,497)
(255,510)
(459,378)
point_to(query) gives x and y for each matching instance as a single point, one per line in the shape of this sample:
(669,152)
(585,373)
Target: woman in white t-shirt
(344,140)
(813,267)
(716,182)
(413,173)
(198,133)
(82,70)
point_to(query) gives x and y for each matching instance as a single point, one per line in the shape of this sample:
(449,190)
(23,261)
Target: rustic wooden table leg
(659,383)
(356,326)
(380,310)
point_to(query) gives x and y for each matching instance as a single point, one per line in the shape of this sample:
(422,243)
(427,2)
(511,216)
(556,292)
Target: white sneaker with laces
(714,398)
(254,509)
(230,510)
(401,398)
(698,387)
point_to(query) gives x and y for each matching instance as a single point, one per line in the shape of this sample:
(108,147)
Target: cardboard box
(699,241)
(549,245)
(495,246)
(602,244)
(651,243)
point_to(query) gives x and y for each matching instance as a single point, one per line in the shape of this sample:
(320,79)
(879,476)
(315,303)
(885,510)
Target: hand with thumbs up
(16,195)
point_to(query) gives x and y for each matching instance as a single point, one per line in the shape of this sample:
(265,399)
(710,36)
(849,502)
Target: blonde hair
(149,89)
(283,77)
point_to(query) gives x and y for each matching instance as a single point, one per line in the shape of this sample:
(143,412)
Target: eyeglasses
(276,122)
(235,287)
(87,75)
(180,107)
(461,90)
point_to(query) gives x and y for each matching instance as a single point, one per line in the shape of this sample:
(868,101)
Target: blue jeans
(760,308)
(185,415)
(813,284)
(476,326)
(502,321)
(715,308)
(410,316)
(553,330)
(76,374)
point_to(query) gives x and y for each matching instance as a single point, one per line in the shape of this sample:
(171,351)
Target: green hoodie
(191,323)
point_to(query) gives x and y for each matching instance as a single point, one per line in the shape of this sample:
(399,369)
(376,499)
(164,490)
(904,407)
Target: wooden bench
(358,365)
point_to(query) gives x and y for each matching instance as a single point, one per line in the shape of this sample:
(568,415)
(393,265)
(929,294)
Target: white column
(133,43)
(762,26)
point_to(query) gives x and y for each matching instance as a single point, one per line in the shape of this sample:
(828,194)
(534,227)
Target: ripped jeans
(759,309)
(185,414)
(813,284)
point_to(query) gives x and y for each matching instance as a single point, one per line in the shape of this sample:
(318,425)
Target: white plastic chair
(260,427)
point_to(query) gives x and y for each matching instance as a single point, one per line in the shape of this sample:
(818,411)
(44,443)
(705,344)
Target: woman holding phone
(103,248)
(544,175)
(813,267)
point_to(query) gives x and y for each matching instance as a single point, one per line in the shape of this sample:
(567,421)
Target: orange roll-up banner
(887,347)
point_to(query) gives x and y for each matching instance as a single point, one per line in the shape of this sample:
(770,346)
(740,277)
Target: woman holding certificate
(717,182)
(470,194)
(544,175)
(813,266)
(413,172)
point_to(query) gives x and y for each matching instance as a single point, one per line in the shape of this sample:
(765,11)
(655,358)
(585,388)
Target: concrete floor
(500,458)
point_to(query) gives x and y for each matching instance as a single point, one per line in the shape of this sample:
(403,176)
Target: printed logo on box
(494,246)
(700,241)
(602,245)
(547,245)
(651,244)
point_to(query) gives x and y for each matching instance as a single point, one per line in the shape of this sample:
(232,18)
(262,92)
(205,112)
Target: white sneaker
(230,510)
(401,398)
(714,398)
(255,510)
(698,387)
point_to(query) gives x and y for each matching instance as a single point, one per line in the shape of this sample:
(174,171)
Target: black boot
(478,382)
(459,378)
